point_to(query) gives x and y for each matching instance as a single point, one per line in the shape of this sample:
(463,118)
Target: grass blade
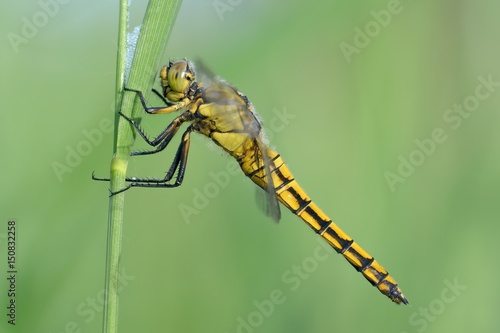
(157,25)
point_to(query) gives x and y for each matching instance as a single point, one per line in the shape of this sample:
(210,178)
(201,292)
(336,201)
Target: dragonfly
(216,109)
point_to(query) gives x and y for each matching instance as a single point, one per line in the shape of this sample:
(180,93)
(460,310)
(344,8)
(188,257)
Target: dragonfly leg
(162,98)
(171,107)
(111,193)
(150,109)
(179,164)
(99,178)
(163,139)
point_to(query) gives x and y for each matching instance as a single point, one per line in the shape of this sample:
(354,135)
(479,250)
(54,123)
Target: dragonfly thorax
(176,79)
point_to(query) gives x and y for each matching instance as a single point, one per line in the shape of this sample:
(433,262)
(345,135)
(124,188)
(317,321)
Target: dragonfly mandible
(219,111)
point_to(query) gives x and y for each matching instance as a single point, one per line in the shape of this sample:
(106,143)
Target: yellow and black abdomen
(296,200)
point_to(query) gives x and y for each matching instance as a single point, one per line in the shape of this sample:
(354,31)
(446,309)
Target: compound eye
(179,76)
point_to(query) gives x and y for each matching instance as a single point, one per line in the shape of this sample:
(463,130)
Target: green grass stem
(155,30)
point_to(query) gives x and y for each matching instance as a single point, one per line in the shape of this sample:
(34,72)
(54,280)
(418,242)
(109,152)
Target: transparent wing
(239,115)
(203,73)
(271,205)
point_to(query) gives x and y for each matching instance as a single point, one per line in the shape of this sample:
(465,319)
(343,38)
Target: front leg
(171,107)
(163,139)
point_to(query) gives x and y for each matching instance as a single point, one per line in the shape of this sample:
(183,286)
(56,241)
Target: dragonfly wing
(272,207)
(239,115)
(203,73)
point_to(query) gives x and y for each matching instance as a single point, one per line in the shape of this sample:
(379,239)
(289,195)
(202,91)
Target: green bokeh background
(353,120)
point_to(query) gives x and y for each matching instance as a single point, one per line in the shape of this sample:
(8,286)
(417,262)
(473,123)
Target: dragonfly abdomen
(291,195)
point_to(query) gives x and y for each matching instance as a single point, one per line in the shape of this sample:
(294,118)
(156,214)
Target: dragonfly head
(176,79)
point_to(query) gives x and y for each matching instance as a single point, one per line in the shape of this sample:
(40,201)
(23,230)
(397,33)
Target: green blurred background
(352,119)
